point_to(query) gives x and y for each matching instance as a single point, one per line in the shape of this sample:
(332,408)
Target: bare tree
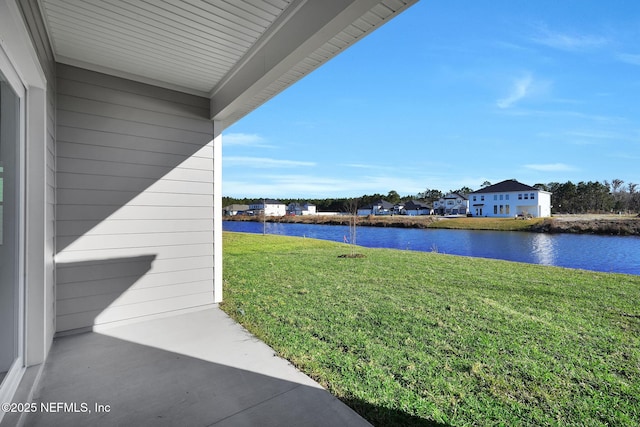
(352,210)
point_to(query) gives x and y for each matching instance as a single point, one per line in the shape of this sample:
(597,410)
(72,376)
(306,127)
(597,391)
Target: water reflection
(543,248)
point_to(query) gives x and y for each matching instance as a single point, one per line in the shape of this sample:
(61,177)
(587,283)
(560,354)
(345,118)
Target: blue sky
(452,94)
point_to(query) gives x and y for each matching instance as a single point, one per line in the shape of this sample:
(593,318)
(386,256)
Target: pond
(584,251)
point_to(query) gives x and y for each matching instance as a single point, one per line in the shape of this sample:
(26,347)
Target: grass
(498,224)
(411,338)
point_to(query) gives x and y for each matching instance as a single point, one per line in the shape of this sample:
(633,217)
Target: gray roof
(236,207)
(416,204)
(456,196)
(509,185)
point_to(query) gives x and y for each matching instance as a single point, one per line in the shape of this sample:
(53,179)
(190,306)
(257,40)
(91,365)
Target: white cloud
(244,140)
(570,42)
(318,186)
(550,167)
(629,58)
(368,166)
(263,162)
(520,89)
(565,113)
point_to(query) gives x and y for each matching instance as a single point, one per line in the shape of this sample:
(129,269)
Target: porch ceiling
(238,53)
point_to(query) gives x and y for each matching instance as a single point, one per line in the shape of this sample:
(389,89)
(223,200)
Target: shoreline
(613,225)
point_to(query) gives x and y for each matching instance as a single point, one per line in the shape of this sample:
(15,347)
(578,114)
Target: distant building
(299,209)
(452,204)
(268,207)
(510,198)
(416,208)
(235,209)
(381,207)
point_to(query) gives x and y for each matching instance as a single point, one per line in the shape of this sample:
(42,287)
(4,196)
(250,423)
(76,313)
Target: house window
(482,198)
(495,209)
(508,209)
(10,222)
(520,196)
(501,197)
(474,198)
(506,197)
(532,196)
(526,196)
(495,197)
(501,209)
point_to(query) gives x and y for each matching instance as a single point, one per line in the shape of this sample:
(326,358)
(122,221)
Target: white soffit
(240,53)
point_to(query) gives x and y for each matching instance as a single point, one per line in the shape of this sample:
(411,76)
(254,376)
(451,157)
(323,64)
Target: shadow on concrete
(199,368)
(97,380)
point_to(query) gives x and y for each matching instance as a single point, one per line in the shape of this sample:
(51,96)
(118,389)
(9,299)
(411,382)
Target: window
(501,209)
(501,197)
(10,224)
(526,196)
(495,197)
(495,209)
(506,197)
(482,198)
(508,209)
(520,196)
(474,198)
(532,196)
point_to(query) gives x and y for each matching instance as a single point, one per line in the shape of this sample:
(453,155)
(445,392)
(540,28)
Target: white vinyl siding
(135,200)
(40,42)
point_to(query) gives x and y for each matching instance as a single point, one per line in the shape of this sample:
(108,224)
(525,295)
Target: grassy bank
(410,338)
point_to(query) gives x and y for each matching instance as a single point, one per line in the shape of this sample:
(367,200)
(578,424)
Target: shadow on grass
(379,416)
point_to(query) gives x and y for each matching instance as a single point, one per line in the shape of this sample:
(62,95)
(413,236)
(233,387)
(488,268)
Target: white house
(416,208)
(381,207)
(298,209)
(510,198)
(452,204)
(268,207)
(234,209)
(111,119)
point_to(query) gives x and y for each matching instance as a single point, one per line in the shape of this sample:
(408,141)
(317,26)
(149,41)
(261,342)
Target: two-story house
(268,207)
(415,208)
(381,207)
(300,209)
(510,198)
(452,204)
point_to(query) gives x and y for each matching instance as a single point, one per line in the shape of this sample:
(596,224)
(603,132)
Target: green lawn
(411,338)
(477,223)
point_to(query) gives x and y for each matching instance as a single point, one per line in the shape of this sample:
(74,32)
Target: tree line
(583,197)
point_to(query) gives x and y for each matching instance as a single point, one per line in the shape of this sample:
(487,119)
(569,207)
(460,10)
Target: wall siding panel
(134,200)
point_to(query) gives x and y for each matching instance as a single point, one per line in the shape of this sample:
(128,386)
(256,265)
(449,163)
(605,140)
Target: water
(584,251)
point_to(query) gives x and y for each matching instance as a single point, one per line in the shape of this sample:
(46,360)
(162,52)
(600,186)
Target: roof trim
(308,27)
(129,76)
(508,186)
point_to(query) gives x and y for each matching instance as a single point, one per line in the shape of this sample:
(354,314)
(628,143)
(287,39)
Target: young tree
(351,206)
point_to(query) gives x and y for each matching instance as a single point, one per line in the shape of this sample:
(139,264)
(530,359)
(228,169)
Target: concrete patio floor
(194,369)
